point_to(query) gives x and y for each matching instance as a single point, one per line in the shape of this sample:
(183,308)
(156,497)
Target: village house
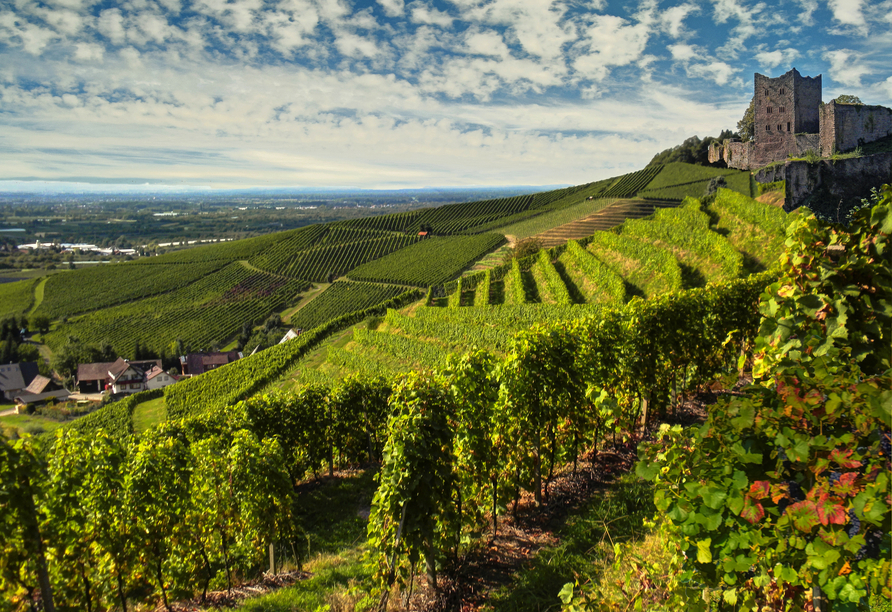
(156,378)
(40,390)
(15,377)
(194,364)
(121,376)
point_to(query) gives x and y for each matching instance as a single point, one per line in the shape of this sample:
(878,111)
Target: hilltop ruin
(790,121)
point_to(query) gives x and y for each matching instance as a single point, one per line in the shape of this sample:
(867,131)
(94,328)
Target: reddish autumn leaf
(760,489)
(843,458)
(751,512)
(830,513)
(846,486)
(779,491)
(804,515)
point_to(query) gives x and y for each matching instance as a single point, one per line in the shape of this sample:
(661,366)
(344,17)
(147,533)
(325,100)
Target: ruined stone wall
(733,152)
(771,174)
(847,126)
(832,188)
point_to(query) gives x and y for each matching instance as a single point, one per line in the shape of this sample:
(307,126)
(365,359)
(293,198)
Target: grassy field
(334,514)
(30,424)
(149,413)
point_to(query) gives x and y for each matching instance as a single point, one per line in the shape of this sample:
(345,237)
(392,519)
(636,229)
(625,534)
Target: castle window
(788,126)
(767,128)
(782,109)
(780,128)
(782,91)
(766,92)
(769,110)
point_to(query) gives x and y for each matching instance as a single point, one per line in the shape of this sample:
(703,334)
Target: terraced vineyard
(675,248)
(379,253)
(611,216)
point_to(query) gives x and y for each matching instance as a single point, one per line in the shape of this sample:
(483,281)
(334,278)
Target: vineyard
(779,500)
(640,258)
(200,314)
(677,181)
(16,298)
(432,261)
(66,295)
(340,299)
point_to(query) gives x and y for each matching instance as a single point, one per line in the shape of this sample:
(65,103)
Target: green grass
(679,180)
(23,423)
(149,413)
(584,545)
(333,513)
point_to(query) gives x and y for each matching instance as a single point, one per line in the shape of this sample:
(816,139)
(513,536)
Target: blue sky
(400,93)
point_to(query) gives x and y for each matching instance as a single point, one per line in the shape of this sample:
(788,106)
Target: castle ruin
(790,121)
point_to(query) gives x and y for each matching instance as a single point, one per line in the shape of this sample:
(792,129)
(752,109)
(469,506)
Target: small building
(15,377)
(39,391)
(156,378)
(194,364)
(120,376)
(291,335)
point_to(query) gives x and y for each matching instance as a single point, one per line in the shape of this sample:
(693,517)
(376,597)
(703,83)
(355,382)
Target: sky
(214,94)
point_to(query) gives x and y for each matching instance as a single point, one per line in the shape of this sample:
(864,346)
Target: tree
(692,151)
(746,127)
(41,323)
(847,99)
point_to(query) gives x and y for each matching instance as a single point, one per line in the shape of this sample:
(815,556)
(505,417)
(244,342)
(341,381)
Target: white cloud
(111,25)
(486,43)
(717,71)
(846,67)
(392,8)
(292,30)
(849,13)
(89,52)
(673,18)
(779,57)
(749,21)
(682,52)
(353,45)
(240,15)
(32,38)
(806,15)
(427,15)
(537,25)
(610,41)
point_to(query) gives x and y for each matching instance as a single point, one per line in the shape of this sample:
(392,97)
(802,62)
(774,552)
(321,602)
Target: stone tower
(786,105)
(786,117)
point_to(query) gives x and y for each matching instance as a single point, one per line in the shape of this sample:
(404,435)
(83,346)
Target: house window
(769,110)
